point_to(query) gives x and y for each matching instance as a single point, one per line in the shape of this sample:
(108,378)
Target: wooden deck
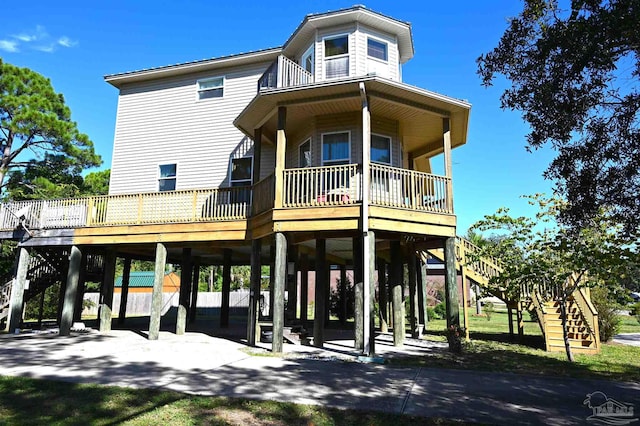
(313,199)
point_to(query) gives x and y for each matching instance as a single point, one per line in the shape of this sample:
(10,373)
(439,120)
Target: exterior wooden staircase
(47,267)
(582,317)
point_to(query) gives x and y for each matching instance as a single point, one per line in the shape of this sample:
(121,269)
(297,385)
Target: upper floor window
(211,88)
(336,56)
(304,159)
(336,148)
(376,49)
(380,149)
(307,60)
(241,170)
(168,177)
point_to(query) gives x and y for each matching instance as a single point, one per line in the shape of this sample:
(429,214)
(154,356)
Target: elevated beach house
(306,157)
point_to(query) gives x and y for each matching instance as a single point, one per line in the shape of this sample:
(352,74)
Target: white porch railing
(283,72)
(198,205)
(408,189)
(322,186)
(303,187)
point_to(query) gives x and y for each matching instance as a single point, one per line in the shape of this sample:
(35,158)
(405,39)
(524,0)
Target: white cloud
(65,41)
(40,33)
(9,46)
(45,48)
(37,39)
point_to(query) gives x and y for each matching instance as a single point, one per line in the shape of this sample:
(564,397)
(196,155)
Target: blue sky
(76,43)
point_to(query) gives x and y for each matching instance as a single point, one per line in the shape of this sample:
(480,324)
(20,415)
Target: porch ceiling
(419,113)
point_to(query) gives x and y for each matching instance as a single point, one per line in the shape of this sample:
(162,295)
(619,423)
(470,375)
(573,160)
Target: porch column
(185,291)
(413,294)
(70,293)
(422,293)
(465,302)
(82,278)
(304,287)
(281,146)
(278,290)
(106,305)
(446,137)
(156,297)
(451,282)
(253,329)
(292,284)
(322,278)
(369,264)
(343,294)
(16,305)
(382,296)
(358,287)
(124,291)
(226,288)
(396,291)
(195,281)
(272,276)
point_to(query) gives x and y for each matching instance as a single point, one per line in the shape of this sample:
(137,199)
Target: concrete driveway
(632,339)
(197,363)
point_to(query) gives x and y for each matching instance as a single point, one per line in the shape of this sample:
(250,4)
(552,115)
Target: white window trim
(326,58)
(390,148)
(158,177)
(201,80)
(348,132)
(331,37)
(379,40)
(309,52)
(231,170)
(310,150)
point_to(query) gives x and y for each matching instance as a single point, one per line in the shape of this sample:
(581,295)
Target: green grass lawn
(38,402)
(491,349)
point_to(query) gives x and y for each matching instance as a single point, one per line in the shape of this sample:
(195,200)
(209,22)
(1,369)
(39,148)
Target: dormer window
(377,49)
(336,56)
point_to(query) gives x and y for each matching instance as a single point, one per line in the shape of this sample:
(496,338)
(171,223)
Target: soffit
(419,113)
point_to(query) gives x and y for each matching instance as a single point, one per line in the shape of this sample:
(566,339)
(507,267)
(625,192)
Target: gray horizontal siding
(162,122)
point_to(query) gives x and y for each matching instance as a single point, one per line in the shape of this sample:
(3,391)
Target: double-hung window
(380,149)
(167,177)
(377,49)
(336,148)
(210,88)
(336,56)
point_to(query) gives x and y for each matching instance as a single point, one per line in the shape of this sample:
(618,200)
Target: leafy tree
(96,183)
(574,75)
(542,253)
(35,119)
(55,177)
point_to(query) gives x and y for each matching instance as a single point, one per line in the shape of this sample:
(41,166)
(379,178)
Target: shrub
(431,314)
(488,310)
(334,300)
(635,310)
(608,318)
(440,310)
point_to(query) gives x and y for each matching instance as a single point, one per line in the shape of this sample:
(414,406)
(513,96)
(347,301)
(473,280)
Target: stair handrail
(588,313)
(5,293)
(538,304)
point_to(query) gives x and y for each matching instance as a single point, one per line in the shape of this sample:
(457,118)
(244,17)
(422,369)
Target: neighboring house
(142,282)
(308,155)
